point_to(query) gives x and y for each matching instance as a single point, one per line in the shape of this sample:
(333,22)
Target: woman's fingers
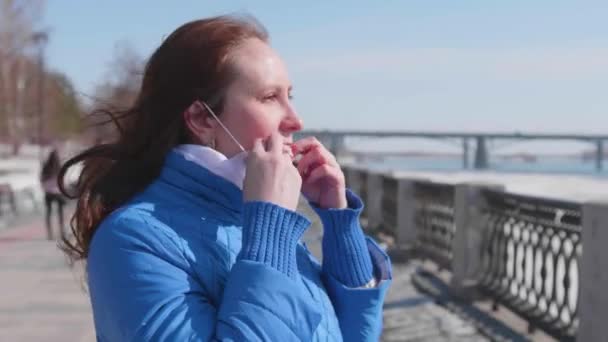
(325,172)
(309,160)
(312,145)
(304,145)
(274,143)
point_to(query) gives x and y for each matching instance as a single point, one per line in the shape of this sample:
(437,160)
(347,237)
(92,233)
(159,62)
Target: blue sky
(415,65)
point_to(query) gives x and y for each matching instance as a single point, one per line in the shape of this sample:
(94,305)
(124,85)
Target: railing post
(406,213)
(374,199)
(593,300)
(353,179)
(481,154)
(469,218)
(337,145)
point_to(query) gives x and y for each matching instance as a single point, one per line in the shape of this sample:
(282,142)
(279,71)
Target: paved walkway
(412,316)
(43,299)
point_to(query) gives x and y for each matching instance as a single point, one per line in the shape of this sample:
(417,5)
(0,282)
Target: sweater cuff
(345,253)
(271,234)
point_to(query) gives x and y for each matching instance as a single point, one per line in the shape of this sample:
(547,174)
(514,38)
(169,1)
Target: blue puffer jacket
(166,267)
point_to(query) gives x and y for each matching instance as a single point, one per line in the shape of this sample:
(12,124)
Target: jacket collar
(202,186)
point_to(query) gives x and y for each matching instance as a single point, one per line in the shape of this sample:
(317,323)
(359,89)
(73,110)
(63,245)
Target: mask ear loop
(204,106)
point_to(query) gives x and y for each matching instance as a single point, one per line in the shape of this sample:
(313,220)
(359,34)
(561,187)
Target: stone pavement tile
(42,299)
(412,316)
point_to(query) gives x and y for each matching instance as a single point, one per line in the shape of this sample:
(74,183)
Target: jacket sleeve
(141,289)
(359,310)
(350,261)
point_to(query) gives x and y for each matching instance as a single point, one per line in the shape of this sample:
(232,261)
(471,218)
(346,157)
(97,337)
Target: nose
(291,122)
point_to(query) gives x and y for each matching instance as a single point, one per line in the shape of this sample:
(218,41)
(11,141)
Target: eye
(270,97)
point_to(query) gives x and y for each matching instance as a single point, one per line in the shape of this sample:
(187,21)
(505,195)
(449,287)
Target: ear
(201,125)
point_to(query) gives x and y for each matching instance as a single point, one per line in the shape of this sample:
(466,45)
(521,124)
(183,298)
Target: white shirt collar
(232,169)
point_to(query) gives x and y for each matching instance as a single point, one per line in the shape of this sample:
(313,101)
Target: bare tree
(119,89)
(18,30)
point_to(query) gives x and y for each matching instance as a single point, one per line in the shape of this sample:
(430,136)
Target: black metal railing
(434,219)
(389,204)
(530,260)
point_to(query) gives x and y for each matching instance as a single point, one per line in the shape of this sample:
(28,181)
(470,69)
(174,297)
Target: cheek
(252,122)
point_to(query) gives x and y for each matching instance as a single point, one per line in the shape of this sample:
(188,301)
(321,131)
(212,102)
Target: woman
(188,238)
(52,195)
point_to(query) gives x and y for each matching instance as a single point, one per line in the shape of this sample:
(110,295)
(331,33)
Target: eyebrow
(274,87)
(277,87)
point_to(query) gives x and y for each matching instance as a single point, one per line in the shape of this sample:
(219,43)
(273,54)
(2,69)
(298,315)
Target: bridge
(336,141)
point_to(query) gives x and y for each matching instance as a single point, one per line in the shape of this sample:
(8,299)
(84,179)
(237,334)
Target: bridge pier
(465,153)
(336,144)
(481,154)
(599,155)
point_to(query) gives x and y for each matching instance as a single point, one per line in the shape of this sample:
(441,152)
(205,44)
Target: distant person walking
(52,195)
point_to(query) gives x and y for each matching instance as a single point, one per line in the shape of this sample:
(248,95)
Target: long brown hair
(193,63)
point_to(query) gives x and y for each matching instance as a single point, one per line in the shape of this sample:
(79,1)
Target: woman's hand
(271,176)
(323,180)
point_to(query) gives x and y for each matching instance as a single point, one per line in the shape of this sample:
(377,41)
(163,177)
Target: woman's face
(258,101)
